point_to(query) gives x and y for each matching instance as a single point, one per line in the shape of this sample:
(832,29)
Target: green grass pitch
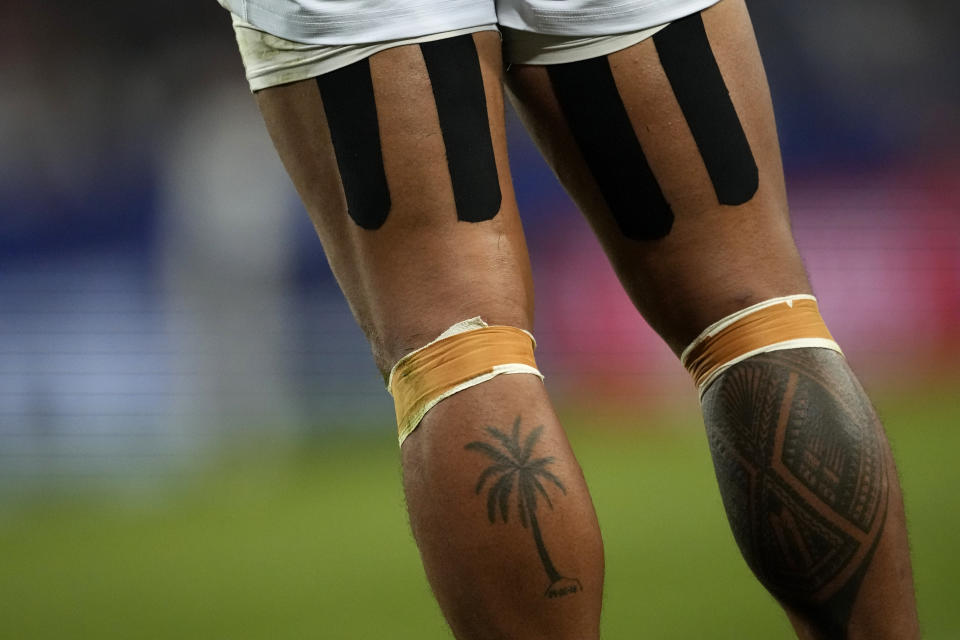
(314,543)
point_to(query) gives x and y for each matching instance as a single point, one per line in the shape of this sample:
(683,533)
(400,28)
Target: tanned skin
(497,502)
(802,462)
(534,570)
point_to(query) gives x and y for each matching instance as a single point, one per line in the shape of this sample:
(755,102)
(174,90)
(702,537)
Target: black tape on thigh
(594,110)
(351,110)
(690,66)
(454,68)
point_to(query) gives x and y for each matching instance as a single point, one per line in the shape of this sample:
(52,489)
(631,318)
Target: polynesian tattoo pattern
(802,467)
(515,467)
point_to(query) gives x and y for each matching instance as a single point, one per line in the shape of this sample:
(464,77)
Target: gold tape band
(454,363)
(792,322)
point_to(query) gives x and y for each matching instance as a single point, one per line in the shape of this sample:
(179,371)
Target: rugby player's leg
(675,162)
(401,162)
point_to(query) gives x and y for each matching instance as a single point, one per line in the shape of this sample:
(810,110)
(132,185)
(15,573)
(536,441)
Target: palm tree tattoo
(514,465)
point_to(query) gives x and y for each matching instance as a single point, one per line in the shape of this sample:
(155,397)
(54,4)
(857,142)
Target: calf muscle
(810,490)
(502,516)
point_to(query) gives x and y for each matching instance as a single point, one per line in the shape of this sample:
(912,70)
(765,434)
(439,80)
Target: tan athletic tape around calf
(791,322)
(465,355)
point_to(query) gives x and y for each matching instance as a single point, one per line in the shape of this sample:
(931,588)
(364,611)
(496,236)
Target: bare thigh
(718,252)
(421,269)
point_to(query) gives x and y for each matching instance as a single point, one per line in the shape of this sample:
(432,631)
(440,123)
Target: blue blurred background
(164,301)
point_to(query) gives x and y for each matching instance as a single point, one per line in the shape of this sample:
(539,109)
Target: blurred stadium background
(194,441)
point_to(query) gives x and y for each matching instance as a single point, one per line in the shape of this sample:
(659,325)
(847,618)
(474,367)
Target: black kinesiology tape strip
(454,68)
(351,111)
(599,123)
(698,85)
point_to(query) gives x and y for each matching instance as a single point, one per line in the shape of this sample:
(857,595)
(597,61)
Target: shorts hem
(626,16)
(310,61)
(414,19)
(524,47)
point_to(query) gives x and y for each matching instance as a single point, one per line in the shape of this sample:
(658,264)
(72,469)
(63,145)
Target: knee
(402,334)
(778,324)
(679,302)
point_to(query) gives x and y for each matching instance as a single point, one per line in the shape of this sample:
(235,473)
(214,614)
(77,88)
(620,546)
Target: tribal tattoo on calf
(514,466)
(802,468)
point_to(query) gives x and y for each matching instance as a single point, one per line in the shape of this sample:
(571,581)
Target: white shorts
(272,59)
(366,21)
